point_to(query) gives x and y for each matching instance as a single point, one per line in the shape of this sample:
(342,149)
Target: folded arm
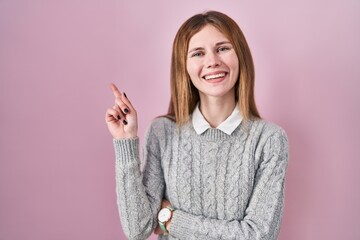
(264,212)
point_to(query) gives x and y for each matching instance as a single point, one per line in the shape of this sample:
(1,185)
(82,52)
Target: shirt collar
(227,126)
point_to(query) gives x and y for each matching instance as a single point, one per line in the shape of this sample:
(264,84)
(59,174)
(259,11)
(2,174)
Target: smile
(214,76)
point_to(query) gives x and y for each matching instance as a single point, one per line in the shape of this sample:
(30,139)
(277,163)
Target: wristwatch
(165,215)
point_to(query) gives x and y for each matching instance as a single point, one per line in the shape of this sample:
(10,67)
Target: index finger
(115,90)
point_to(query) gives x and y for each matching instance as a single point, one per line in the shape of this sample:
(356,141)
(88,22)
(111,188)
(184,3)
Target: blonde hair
(184,94)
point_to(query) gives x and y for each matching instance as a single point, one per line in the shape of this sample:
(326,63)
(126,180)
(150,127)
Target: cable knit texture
(221,186)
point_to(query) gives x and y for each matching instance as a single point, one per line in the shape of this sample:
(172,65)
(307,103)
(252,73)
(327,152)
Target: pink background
(57,58)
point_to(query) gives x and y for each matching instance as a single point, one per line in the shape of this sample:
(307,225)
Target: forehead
(208,35)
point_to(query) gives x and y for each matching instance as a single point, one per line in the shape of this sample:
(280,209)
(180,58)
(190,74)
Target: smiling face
(212,63)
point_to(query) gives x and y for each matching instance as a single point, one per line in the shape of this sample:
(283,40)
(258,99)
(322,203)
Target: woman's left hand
(158,229)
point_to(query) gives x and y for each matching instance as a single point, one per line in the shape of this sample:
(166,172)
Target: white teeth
(208,77)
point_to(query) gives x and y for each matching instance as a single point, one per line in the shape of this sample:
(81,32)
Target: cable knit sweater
(221,186)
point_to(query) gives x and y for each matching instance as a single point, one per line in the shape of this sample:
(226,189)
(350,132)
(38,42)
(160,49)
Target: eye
(223,49)
(197,54)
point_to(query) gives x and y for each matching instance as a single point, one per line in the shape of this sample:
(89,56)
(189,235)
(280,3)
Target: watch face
(164,215)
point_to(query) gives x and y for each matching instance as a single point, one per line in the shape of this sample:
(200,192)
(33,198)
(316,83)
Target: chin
(218,94)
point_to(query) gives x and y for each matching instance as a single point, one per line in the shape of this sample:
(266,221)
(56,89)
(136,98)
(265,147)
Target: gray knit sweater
(221,186)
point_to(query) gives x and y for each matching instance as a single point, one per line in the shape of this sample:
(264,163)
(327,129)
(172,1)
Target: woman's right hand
(121,119)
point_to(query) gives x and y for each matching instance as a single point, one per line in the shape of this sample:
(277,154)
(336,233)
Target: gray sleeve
(264,212)
(139,194)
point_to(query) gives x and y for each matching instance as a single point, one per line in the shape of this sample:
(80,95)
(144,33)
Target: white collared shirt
(228,126)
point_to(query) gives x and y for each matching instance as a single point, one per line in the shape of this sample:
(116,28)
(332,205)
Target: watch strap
(163,227)
(170,208)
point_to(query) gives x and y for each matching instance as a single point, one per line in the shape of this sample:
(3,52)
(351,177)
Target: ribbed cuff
(126,150)
(182,225)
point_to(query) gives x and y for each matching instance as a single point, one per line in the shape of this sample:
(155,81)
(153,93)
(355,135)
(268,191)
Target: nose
(212,60)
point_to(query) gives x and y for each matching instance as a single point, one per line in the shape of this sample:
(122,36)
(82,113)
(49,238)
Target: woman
(213,168)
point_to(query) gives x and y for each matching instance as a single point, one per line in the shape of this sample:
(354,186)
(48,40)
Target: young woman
(213,168)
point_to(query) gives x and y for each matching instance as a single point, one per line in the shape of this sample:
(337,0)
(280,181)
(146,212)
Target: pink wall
(57,58)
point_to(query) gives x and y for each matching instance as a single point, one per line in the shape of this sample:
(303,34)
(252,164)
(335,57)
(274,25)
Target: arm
(138,195)
(264,212)
(137,201)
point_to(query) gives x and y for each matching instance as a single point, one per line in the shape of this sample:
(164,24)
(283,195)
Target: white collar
(228,126)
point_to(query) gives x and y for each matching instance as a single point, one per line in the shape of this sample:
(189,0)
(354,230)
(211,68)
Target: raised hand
(121,119)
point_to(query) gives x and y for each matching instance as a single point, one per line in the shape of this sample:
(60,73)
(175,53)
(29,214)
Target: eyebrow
(200,48)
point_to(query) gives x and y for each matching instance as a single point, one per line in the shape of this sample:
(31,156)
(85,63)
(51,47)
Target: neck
(216,109)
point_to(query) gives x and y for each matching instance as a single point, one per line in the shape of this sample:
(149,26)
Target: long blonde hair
(184,95)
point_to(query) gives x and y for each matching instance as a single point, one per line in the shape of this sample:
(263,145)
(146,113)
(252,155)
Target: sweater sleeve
(139,194)
(264,211)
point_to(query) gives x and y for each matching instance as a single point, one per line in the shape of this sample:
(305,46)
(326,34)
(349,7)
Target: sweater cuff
(182,225)
(126,150)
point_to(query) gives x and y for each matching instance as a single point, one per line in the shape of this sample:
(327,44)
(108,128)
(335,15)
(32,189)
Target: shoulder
(161,124)
(266,129)
(160,128)
(273,139)
(268,137)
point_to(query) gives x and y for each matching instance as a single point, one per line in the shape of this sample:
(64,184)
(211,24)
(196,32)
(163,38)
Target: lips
(214,75)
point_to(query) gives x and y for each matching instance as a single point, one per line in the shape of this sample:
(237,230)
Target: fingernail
(118,117)
(125,95)
(126,110)
(124,122)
